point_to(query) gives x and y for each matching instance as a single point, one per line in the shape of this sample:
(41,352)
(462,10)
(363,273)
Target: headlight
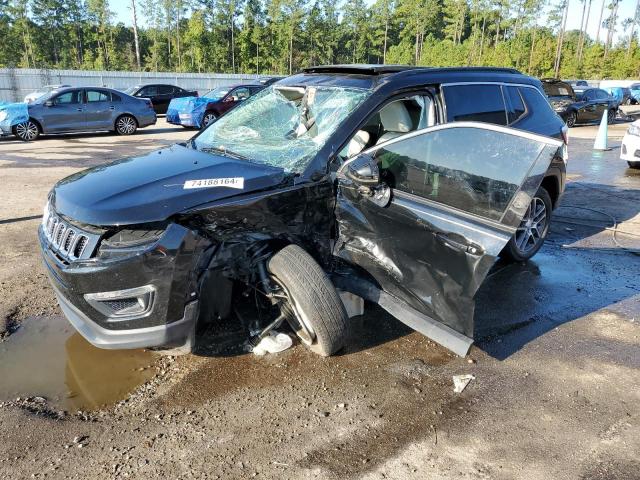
(634,130)
(3,115)
(131,241)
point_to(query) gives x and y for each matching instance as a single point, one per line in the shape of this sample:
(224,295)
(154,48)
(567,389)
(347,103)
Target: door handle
(471,249)
(79,109)
(112,107)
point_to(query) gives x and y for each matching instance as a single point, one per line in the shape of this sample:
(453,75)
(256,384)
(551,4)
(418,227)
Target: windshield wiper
(224,151)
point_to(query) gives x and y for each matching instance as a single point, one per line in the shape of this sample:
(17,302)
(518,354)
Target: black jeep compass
(394,184)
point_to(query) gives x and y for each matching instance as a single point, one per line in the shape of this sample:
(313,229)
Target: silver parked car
(33,96)
(85,109)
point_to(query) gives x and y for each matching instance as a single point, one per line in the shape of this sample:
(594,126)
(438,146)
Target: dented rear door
(458,192)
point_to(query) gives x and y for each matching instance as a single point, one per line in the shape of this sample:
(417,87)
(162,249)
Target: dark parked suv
(160,94)
(398,185)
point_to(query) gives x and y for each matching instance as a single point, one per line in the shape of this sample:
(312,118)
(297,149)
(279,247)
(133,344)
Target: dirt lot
(557,370)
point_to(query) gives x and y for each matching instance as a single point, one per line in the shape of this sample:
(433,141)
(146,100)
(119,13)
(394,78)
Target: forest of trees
(282,36)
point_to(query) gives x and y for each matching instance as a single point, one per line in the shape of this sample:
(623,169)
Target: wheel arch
(551,183)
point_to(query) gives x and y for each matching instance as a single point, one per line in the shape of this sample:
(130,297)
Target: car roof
(378,69)
(402,76)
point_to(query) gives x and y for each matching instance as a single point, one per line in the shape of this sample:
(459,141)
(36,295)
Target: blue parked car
(200,112)
(86,109)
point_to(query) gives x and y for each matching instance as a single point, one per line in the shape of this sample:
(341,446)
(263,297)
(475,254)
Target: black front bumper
(170,266)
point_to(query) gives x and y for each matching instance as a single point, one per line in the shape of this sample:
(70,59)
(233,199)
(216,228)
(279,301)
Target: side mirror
(363,170)
(48,103)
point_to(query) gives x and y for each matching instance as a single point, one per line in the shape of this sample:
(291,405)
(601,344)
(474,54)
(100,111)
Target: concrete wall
(15,83)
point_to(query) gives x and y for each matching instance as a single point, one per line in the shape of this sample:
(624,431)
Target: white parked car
(40,92)
(630,150)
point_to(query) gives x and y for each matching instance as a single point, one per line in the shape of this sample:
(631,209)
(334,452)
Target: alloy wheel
(533,226)
(126,125)
(571,120)
(208,119)
(27,131)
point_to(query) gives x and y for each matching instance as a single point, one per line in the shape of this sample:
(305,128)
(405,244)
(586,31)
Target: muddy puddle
(46,357)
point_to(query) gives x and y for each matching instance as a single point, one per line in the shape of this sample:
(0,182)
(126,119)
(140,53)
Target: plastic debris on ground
(273,343)
(460,382)
(187,111)
(12,114)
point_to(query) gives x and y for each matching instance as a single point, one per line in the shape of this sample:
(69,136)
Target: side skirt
(436,331)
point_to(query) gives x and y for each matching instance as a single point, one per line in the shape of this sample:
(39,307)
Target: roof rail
(374,69)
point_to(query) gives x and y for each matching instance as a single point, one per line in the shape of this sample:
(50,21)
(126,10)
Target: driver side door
(446,201)
(66,112)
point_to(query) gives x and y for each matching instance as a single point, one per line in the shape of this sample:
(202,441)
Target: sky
(122,11)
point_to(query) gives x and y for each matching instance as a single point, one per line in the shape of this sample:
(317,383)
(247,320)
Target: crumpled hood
(153,187)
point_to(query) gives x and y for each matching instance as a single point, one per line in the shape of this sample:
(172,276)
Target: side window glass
(516,109)
(115,98)
(602,95)
(148,92)
(68,98)
(241,93)
(471,169)
(475,103)
(97,96)
(538,105)
(165,90)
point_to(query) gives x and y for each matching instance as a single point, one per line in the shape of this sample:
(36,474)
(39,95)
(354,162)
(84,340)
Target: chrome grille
(67,241)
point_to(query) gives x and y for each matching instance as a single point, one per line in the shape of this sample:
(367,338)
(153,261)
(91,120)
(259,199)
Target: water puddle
(46,357)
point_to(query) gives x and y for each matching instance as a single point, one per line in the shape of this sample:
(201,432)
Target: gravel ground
(556,386)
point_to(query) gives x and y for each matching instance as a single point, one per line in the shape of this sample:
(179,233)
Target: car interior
(392,120)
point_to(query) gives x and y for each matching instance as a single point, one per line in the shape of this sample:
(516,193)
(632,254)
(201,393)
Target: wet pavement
(557,366)
(46,358)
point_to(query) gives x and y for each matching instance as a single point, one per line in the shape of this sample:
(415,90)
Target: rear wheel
(27,131)
(634,164)
(310,302)
(611,116)
(126,125)
(571,119)
(533,229)
(208,119)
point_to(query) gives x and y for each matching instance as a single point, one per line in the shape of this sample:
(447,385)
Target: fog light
(122,305)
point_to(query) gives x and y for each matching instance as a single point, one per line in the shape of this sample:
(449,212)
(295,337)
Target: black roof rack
(361,68)
(373,69)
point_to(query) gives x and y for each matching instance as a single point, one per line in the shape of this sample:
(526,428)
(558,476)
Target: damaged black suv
(398,185)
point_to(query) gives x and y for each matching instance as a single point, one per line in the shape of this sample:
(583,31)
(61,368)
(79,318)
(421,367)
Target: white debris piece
(273,343)
(460,382)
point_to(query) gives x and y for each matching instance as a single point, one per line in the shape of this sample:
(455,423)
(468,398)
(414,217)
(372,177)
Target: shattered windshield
(282,126)
(217,93)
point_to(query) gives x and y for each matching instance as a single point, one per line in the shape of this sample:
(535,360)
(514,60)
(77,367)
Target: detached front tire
(533,229)
(316,313)
(126,125)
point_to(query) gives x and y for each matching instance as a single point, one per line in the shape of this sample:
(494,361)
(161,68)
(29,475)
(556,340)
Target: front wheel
(310,303)
(533,229)
(126,125)
(208,119)
(634,164)
(27,131)
(571,119)
(611,116)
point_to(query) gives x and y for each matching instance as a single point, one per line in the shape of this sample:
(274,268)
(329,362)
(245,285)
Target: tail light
(149,103)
